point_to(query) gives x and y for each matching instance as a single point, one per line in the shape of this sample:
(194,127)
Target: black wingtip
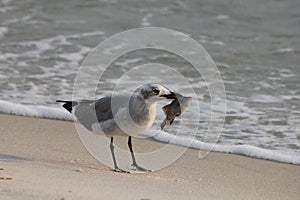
(68,105)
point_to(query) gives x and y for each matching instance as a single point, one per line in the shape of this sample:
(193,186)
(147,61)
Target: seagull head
(153,92)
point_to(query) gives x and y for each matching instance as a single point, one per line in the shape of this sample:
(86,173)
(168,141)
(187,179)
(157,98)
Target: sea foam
(243,149)
(162,136)
(34,111)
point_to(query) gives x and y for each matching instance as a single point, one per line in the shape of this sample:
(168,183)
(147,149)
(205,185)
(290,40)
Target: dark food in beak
(175,108)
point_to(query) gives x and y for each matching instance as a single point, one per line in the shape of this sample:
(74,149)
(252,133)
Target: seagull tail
(68,105)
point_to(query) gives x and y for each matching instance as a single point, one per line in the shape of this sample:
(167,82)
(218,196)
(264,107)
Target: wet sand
(44,159)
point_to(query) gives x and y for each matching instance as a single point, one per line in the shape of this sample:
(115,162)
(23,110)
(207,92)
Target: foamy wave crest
(246,150)
(34,111)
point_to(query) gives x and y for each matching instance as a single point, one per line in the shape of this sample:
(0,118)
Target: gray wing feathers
(90,112)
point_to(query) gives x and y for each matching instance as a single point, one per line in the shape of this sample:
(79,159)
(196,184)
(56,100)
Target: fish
(175,109)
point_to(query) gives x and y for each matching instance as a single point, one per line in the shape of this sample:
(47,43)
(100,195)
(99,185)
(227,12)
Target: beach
(238,60)
(44,159)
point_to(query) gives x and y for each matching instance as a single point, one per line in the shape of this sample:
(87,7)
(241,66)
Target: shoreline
(45,159)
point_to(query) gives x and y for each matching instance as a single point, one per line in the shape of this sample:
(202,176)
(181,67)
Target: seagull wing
(90,112)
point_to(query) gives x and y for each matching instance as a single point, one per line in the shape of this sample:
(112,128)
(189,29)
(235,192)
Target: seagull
(120,115)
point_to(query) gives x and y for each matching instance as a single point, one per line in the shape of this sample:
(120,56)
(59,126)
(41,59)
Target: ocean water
(255,45)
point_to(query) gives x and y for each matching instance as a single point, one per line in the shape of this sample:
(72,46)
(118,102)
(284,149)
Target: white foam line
(34,111)
(246,150)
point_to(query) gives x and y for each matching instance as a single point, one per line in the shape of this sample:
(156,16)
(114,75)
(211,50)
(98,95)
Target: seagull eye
(155,91)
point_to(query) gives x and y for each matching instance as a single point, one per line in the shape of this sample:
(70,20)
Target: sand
(44,159)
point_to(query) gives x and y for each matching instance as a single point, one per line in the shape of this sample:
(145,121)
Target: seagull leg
(134,163)
(116,169)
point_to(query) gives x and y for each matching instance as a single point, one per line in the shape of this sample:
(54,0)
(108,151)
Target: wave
(162,136)
(34,111)
(242,149)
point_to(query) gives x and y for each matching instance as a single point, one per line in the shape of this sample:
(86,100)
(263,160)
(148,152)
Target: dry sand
(44,159)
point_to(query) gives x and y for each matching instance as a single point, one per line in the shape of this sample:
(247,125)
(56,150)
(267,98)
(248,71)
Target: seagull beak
(169,95)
